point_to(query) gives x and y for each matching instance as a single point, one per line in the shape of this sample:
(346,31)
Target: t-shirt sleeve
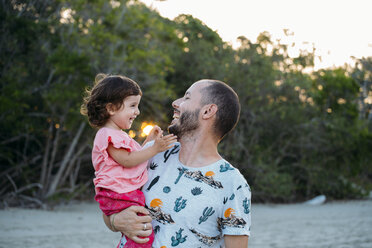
(235,218)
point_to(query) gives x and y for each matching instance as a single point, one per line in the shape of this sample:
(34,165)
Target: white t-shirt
(195,207)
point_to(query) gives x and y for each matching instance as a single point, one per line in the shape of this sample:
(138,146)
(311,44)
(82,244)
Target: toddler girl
(120,163)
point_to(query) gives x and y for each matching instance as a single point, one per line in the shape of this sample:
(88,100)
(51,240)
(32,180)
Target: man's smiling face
(186,110)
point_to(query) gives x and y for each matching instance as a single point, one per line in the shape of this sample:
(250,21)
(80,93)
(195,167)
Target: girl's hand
(155,131)
(163,143)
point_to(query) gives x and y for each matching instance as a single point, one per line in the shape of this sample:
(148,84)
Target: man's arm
(131,224)
(236,241)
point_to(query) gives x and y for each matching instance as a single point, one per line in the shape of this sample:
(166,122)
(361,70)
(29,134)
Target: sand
(78,225)
(341,225)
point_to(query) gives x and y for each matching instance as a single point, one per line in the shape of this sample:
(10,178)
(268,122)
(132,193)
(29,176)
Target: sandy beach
(78,225)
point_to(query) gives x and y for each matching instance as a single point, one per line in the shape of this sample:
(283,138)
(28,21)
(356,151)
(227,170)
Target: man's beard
(188,122)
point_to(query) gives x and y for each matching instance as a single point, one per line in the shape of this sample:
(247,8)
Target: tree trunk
(44,165)
(72,164)
(65,160)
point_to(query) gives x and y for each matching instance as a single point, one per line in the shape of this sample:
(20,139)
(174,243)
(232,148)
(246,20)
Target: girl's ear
(110,108)
(209,111)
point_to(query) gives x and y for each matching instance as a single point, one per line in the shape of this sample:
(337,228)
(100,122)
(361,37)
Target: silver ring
(145,227)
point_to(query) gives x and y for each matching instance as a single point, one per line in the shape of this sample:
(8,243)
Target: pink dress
(117,187)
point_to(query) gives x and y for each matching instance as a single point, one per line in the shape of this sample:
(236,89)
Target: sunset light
(146,128)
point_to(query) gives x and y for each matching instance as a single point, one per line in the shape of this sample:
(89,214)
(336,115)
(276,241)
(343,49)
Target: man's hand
(131,224)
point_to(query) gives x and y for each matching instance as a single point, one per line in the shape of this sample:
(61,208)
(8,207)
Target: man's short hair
(227,101)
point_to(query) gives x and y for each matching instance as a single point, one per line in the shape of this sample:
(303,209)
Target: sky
(338,29)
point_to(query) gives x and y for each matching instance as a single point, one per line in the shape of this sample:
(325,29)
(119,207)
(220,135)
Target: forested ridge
(301,132)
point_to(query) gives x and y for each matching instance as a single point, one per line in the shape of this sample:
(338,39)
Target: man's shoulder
(231,173)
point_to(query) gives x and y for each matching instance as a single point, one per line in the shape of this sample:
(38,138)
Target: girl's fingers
(170,137)
(170,146)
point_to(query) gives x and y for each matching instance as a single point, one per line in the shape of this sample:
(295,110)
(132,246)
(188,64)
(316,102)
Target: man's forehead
(197,86)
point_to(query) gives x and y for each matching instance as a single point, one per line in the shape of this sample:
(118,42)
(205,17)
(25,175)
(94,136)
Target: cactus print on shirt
(196,207)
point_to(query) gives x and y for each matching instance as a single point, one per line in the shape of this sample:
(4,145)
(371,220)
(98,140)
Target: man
(194,196)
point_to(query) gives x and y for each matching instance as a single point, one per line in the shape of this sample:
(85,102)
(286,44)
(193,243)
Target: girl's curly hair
(107,89)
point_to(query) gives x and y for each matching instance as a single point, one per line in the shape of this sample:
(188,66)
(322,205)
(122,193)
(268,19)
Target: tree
(46,140)
(300,133)
(203,54)
(362,74)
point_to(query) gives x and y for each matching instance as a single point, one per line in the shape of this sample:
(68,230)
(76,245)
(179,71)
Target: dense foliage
(300,134)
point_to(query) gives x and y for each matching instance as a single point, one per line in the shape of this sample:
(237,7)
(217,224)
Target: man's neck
(198,150)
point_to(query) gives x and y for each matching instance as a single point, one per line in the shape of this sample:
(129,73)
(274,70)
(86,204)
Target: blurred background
(306,122)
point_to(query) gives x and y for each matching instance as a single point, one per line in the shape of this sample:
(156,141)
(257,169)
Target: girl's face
(123,118)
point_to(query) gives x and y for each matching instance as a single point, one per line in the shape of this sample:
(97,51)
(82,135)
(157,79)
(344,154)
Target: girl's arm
(131,159)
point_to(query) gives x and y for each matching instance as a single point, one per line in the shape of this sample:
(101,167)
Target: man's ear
(110,108)
(209,111)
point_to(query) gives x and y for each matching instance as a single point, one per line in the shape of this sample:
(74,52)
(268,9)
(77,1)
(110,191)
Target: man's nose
(175,103)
